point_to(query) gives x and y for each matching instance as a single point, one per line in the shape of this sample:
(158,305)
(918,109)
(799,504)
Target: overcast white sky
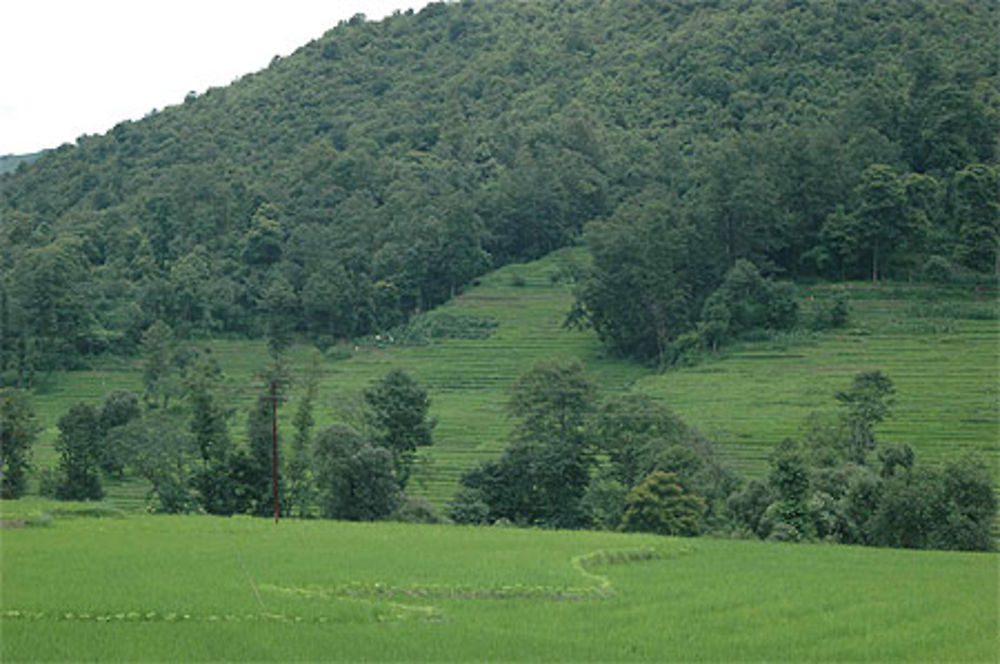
(73,67)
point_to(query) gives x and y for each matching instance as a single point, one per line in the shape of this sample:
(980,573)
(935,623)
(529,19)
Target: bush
(660,505)
(416,509)
(938,270)
(604,502)
(468,506)
(48,482)
(828,314)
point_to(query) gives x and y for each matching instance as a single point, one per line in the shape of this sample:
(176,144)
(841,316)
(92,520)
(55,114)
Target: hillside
(381,167)
(10,162)
(942,356)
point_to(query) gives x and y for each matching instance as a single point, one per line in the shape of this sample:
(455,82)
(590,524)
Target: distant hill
(372,173)
(10,162)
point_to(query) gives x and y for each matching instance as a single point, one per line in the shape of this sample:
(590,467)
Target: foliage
(660,505)
(119,408)
(545,476)
(18,431)
(747,301)
(416,509)
(649,277)
(397,414)
(209,429)
(552,401)
(832,313)
(356,480)
(164,452)
(867,402)
(373,173)
(301,479)
(79,454)
(828,487)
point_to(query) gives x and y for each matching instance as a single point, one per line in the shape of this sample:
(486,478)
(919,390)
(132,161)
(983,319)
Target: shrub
(832,313)
(416,509)
(468,506)
(937,269)
(660,505)
(48,482)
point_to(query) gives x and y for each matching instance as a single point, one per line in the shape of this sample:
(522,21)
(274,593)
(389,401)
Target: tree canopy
(380,167)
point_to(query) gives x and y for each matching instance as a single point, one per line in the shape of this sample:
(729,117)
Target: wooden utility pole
(274,446)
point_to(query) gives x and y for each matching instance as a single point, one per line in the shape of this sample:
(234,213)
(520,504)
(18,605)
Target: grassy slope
(944,368)
(750,397)
(202,588)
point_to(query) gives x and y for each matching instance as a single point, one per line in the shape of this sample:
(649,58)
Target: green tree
(210,433)
(635,432)
(977,216)
(78,445)
(867,402)
(660,505)
(748,301)
(972,506)
(552,401)
(398,415)
(157,355)
(881,214)
(356,479)
(263,243)
(301,479)
(651,272)
(257,487)
(789,482)
(541,478)
(18,431)
(162,450)
(119,408)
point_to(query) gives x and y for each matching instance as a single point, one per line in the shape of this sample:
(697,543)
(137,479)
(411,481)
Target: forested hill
(10,162)
(380,167)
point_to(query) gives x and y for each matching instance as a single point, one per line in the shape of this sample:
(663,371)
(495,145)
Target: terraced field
(128,587)
(942,357)
(944,367)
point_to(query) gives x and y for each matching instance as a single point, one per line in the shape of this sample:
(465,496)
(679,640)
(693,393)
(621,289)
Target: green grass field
(943,358)
(160,588)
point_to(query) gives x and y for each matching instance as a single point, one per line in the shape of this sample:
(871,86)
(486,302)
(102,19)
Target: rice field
(113,586)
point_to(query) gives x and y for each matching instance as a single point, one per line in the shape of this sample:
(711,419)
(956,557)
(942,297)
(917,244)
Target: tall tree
(881,213)
(398,414)
(210,432)
(867,402)
(18,431)
(356,479)
(78,445)
(157,356)
(301,479)
(651,273)
(977,216)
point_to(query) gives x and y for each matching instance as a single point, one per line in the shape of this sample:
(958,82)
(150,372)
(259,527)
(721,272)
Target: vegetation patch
(425,329)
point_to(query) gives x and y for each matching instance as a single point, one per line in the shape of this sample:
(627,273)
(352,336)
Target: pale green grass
(155,588)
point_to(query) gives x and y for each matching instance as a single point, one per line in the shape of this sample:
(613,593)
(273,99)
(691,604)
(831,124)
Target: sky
(74,67)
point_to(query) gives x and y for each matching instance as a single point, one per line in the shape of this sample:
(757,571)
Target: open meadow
(938,347)
(129,587)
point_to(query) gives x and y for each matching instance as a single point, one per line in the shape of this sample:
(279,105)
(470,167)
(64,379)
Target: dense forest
(698,148)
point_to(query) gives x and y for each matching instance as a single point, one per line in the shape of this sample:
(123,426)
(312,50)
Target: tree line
(177,436)
(628,463)
(576,459)
(380,168)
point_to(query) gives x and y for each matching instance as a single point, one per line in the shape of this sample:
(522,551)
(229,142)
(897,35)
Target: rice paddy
(130,587)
